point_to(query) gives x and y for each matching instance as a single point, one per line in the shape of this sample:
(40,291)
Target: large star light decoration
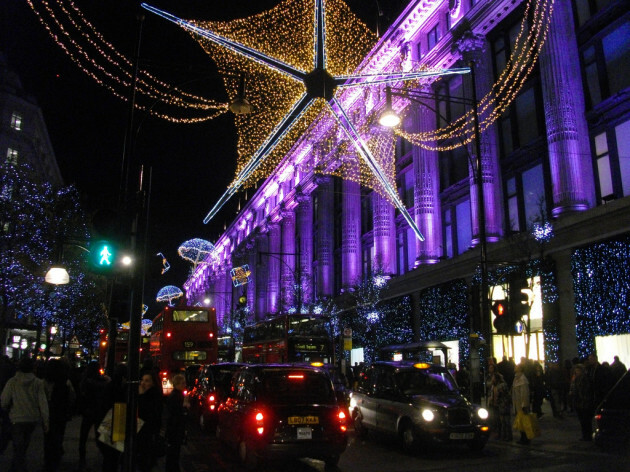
(306,86)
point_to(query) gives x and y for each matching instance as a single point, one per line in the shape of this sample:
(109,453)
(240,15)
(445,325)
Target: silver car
(418,402)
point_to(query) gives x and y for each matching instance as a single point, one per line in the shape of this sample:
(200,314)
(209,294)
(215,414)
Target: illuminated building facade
(558,155)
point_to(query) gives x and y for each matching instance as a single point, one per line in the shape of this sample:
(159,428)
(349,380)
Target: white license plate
(462,436)
(304,433)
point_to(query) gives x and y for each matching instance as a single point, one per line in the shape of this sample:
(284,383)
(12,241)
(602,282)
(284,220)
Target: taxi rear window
(296,387)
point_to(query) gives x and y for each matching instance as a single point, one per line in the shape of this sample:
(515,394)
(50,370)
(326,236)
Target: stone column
(251,258)
(260,274)
(304,215)
(227,288)
(325,231)
(384,235)
(570,158)
(273,268)
(475,50)
(287,266)
(426,192)
(351,234)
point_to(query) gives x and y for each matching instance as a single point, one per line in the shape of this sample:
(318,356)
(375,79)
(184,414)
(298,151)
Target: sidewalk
(70,459)
(560,435)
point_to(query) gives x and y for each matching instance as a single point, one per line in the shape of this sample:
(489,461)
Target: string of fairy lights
(276,50)
(100,60)
(524,56)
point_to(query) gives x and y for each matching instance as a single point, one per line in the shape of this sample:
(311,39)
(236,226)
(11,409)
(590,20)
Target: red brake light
(341,416)
(164,374)
(211,398)
(169,334)
(296,376)
(211,335)
(185,392)
(259,423)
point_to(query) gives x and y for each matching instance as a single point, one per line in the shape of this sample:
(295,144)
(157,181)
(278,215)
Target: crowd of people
(577,387)
(48,394)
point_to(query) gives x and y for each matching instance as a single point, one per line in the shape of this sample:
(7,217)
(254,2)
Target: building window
(418,50)
(606,64)
(16,121)
(457,228)
(12,156)
(406,187)
(433,37)
(367,255)
(612,162)
(367,222)
(586,9)
(526,202)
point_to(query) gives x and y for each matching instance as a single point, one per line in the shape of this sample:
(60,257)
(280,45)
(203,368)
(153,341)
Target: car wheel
(359,427)
(407,437)
(332,461)
(477,444)
(247,456)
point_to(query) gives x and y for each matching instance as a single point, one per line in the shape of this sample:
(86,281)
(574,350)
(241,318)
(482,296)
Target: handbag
(530,425)
(111,431)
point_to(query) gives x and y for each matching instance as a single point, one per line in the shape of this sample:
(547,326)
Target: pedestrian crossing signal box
(103,256)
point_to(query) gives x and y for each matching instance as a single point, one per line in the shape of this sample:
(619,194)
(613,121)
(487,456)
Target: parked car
(280,412)
(418,402)
(210,389)
(612,418)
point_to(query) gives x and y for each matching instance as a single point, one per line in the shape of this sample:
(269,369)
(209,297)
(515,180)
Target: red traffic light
(499,308)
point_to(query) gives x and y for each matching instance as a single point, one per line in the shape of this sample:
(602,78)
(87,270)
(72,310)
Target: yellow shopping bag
(530,425)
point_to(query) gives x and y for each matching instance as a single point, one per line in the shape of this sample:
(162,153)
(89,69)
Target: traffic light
(103,256)
(519,307)
(501,317)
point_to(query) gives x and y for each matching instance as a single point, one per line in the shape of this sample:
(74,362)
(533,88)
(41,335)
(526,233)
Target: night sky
(192,164)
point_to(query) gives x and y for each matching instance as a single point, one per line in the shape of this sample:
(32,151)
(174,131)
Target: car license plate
(462,436)
(304,433)
(303,420)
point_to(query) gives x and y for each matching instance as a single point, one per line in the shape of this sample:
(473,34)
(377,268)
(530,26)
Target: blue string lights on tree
(601,284)
(444,314)
(168,294)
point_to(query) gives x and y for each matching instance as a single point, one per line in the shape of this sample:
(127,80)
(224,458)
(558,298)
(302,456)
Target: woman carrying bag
(520,400)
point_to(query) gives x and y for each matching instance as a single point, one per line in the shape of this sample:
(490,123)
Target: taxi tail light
(164,374)
(341,418)
(260,423)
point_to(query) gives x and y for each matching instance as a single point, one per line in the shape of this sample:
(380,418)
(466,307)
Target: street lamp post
(390,119)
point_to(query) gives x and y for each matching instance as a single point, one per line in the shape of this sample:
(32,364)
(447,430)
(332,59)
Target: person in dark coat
(177,405)
(581,393)
(150,412)
(91,394)
(61,397)
(115,392)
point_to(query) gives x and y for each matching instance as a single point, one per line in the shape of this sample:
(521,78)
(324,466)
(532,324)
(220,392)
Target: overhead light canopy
(57,275)
(389,118)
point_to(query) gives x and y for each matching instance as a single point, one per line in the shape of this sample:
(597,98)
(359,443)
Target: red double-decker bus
(121,347)
(183,337)
(289,338)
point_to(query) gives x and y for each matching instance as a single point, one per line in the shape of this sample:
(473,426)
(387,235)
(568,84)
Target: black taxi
(280,412)
(418,402)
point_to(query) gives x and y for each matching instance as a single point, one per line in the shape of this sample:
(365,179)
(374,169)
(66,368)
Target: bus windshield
(308,326)
(194,316)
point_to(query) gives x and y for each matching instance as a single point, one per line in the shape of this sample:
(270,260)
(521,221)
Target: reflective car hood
(442,400)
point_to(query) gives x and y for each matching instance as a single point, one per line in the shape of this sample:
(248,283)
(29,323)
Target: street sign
(74,343)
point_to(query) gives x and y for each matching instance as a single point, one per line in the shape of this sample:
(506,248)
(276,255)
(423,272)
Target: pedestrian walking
(149,411)
(91,397)
(500,403)
(61,397)
(115,392)
(24,397)
(177,405)
(520,397)
(581,394)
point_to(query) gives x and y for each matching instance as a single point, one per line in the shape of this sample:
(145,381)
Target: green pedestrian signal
(103,256)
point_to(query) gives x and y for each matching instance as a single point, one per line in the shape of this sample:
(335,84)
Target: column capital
(470,46)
